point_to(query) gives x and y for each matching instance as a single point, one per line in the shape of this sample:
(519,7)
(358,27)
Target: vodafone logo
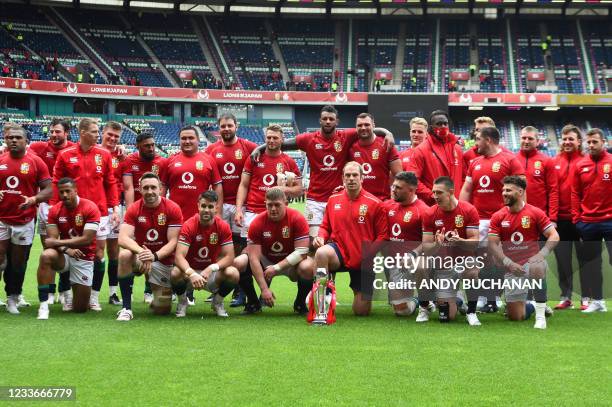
(187,178)
(12,182)
(277,247)
(516,238)
(72,233)
(367,168)
(484,181)
(72,88)
(229,168)
(396,229)
(537,172)
(268,180)
(329,160)
(203,94)
(203,253)
(152,235)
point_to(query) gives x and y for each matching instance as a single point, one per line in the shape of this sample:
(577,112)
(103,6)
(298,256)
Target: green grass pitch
(275,358)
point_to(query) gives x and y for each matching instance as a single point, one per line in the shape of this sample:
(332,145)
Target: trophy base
(319,321)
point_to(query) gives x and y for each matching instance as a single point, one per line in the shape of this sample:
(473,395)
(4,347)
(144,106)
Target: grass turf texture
(275,358)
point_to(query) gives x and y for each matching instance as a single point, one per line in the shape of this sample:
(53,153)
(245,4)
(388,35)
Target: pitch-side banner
(511,99)
(179,94)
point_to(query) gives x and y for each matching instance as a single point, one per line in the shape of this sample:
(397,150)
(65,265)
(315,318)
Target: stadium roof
(488,8)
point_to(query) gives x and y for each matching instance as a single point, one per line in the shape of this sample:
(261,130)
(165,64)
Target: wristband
(276,267)
(507,261)
(155,256)
(214,267)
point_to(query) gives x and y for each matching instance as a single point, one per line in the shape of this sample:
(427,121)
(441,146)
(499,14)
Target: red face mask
(441,132)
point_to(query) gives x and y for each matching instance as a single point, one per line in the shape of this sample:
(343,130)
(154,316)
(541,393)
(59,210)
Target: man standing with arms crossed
(24,182)
(91,168)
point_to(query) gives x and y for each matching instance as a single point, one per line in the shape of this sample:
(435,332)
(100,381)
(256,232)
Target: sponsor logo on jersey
(285,232)
(525,222)
(357,154)
(213,238)
(63,219)
(337,206)
(557,167)
(178,164)
(391,213)
(407,216)
(537,165)
(198,238)
(78,220)
(337,146)
(219,155)
(363,210)
(73,160)
(277,247)
(238,154)
(199,165)
(375,154)
(25,168)
(505,224)
(142,219)
(585,169)
(135,168)
(261,165)
(50,154)
(98,159)
(161,219)
(267,234)
(496,166)
(439,222)
(279,167)
(477,167)
(459,221)
(3,167)
(318,146)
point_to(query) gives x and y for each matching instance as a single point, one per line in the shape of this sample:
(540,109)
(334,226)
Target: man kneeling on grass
(204,256)
(147,239)
(70,247)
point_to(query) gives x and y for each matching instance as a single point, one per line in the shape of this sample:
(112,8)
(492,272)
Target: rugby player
(592,211)
(418,134)
(204,256)
(144,160)
(258,177)
(91,168)
(377,162)
(352,217)
(24,182)
(513,236)
(191,172)
(277,245)
(405,212)
(564,164)
(70,247)
(58,140)
(439,155)
(111,134)
(450,228)
(148,238)
(483,188)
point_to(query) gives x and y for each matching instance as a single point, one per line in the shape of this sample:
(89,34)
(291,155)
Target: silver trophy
(321,306)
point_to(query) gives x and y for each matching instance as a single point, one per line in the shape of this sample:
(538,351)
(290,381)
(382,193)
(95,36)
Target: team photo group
(217,218)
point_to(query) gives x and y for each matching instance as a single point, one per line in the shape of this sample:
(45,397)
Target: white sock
(44,305)
(540,309)
(67,295)
(94,296)
(112,289)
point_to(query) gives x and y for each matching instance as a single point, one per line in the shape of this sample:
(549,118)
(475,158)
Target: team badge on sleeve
(25,168)
(525,222)
(199,165)
(238,154)
(407,216)
(161,219)
(337,146)
(459,221)
(496,166)
(78,220)
(214,238)
(363,210)
(285,232)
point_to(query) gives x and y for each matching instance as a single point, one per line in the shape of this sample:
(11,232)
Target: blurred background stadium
(555,56)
